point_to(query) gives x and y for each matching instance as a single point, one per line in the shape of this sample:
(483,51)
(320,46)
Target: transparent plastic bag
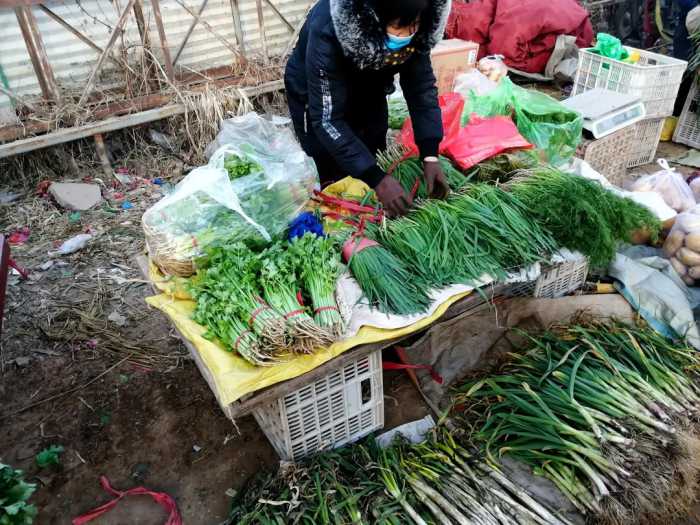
(670,185)
(682,246)
(473,81)
(268,181)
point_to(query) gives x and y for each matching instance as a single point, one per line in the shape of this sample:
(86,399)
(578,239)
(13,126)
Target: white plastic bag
(682,246)
(670,185)
(210,206)
(475,81)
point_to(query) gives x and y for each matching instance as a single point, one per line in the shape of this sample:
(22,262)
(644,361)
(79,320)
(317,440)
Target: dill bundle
(385,280)
(580,214)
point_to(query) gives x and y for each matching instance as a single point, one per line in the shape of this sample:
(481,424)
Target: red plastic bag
(451,105)
(482,139)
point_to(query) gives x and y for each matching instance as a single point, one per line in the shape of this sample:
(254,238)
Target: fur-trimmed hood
(362,36)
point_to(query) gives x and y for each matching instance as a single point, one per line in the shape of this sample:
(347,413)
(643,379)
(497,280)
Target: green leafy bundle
(581,214)
(281,286)
(318,263)
(502,167)
(606,412)
(386,281)
(398,112)
(240,166)
(409,172)
(14,497)
(230,305)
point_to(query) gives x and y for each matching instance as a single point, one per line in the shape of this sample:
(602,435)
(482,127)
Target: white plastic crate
(340,408)
(688,127)
(654,78)
(647,134)
(555,281)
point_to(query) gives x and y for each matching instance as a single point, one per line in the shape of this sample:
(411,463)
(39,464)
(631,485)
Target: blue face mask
(394,43)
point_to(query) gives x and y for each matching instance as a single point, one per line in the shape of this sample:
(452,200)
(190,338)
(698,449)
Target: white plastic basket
(340,408)
(646,141)
(688,128)
(555,281)
(654,78)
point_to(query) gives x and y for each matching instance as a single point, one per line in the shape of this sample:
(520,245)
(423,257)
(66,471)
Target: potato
(694,272)
(688,280)
(678,266)
(692,241)
(688,257)
(673,242)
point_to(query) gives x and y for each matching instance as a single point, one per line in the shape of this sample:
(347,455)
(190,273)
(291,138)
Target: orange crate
(451,58)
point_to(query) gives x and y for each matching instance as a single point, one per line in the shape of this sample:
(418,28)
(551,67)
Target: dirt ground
(87,365)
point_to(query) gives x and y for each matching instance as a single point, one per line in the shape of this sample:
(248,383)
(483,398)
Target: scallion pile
(608,413)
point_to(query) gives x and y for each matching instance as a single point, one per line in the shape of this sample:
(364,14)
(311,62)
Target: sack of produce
(257,179)
(682,246)
(670,185)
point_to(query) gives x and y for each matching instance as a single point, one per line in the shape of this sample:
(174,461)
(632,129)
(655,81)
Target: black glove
(392,197)
(435,179)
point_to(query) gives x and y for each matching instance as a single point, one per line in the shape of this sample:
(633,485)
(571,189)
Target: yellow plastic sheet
(234,377)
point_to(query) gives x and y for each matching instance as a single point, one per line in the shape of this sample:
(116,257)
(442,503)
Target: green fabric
(542,120)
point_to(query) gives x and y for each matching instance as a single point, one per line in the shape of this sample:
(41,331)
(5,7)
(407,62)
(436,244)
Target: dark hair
(402,12)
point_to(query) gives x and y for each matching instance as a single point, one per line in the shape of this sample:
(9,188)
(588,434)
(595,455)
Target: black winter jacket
(339,74)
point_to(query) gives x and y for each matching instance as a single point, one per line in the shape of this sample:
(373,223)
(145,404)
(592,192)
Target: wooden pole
(37,52)
(277,12)
(211,30)
(238,26)
(169,69)
(102,154)
(85,40)
(261,25)
(108,48)
(295,35)
(191,28)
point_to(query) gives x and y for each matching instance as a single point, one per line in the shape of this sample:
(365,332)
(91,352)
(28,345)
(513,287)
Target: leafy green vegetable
(398,112)
(238,166)
(318,263)
(581,214)
(502,167)
(49,456)
(14,497)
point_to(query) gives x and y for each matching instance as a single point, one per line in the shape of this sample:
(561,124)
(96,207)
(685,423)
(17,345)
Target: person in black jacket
(339,75)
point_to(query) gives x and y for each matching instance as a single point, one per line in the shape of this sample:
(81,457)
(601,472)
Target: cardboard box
(451,58)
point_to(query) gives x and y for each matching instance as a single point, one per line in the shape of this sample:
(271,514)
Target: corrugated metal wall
(72,60)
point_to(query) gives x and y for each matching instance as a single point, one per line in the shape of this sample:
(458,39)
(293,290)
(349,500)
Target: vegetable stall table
(335,402)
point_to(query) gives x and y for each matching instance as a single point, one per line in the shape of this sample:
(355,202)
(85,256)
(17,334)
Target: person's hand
(393,198)
(435,178)
(493,68)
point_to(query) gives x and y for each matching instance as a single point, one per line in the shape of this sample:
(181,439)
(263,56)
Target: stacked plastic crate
(688,128)
(653,77)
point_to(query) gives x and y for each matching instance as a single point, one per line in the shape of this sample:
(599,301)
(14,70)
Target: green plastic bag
(610,46)
(542,120)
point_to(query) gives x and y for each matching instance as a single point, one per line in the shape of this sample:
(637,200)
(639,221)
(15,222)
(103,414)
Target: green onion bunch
(386,281)
(433,482)
(481,230)
(581,214)
(319,266)
(605,412)
(408,171)
(281,289)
